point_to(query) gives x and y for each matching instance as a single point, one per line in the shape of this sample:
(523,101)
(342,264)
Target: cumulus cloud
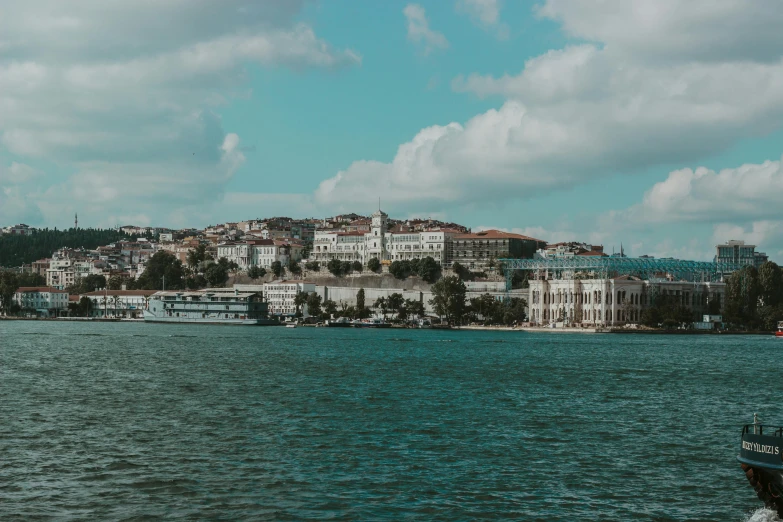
(581,113)
(675,31)
(123,94)
(745,193)
(485,13)
(419,31)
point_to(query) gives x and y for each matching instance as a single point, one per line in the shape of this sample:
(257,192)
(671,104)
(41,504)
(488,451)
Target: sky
(652,124)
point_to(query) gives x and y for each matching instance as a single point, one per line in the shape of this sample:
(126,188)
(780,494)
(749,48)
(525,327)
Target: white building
(259,252)
(609,302)
(128,304)
(280,296)
(379,243)
(18,230)
(46,301)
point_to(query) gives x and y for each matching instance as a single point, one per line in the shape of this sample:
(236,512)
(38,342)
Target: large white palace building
(613,301)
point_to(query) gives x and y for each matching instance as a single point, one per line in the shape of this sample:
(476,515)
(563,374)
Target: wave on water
(762,515)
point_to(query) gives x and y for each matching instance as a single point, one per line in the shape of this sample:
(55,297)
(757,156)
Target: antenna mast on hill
(76,220)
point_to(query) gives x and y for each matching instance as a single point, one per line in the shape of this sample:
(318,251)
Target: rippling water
(127,421)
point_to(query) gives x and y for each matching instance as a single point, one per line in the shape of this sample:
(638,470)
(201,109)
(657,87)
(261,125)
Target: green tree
(197,255)
(216,275)
(115,282)
(313,266)
(162,264)
(396,302)
(300,299)
(771,284)
(374,265)
(429,270)
(277,268)
(448,299)
(89,283)
(330,307)
(360,299)
(461,271)
(20,250)
(30,279)
(382,304)
(335,267)
(314,305)
(294,268)
(346,267)
(400,269)
(356,266)
(413,307)
(742,297)
(256,272)
(8,286)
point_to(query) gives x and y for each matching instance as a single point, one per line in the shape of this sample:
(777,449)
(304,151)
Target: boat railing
(759,429)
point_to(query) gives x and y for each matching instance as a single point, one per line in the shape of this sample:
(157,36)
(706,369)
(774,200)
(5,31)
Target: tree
(277,268)
(429,270)
(294,267)
(87,284)
(382,305)
(330,307)
(256,272)
(82,308)
(356,266)
(8,286)
(461,271)
(116,301)
(20,250)
(162,264)
(413,307)
(116,282)
(314,305)
(360,299)
(300,299)
(346,267)
(335,267)
(216,275)
(448,298)
(395,302)
(400,269)
(313,266)
(197,255)
(30,279)
(771,283)
(742,296)
(374,265)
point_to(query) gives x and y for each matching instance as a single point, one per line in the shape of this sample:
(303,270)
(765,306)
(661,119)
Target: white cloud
(577,114)
(742,194)
(485,13)
(419,31)
(676,31)
(123,95)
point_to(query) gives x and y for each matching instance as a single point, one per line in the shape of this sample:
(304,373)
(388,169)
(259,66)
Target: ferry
(761,458)
(210,306)
(340,322)
(779,333)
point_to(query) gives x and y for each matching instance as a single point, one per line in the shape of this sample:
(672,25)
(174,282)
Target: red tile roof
(495,234)
(26,289)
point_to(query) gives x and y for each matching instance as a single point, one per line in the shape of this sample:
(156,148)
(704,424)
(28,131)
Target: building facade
(260,252)
(613,301)
(477,249)
(280,296)
(735,252)
(45,301)
(122,304)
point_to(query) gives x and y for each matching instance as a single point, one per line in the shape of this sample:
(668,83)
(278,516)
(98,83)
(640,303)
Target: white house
(46,301)
(280,296)
(128,304)
(259,252)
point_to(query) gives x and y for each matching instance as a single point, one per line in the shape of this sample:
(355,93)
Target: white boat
(210,306)
(291,325)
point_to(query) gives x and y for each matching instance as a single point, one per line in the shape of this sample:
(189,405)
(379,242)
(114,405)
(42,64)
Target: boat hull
(761,458)
(150,318)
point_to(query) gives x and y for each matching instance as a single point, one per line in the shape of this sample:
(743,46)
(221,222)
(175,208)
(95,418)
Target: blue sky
(655,124)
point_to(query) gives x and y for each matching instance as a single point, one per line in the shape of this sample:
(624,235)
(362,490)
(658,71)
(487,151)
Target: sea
(134,421)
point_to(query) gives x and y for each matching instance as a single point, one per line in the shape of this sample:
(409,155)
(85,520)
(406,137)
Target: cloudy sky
(651,123)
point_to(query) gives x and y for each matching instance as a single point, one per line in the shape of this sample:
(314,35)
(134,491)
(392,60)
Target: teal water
(138,421)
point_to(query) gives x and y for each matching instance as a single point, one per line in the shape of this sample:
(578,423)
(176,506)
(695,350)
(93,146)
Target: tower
(76,220)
